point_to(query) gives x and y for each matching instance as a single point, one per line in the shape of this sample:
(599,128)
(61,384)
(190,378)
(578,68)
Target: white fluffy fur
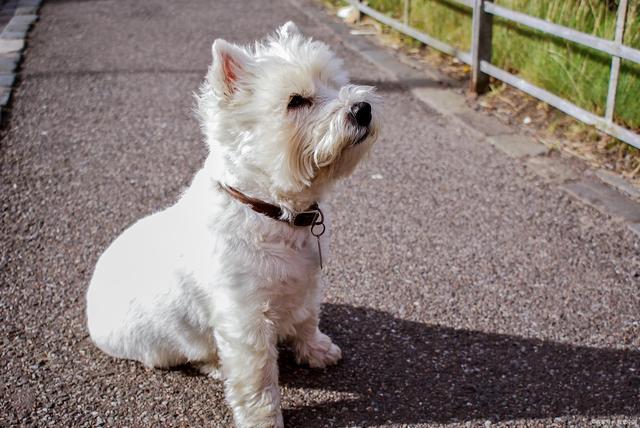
(208,280)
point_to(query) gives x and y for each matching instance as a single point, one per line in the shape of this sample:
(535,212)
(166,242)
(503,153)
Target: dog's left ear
(289,29)
(229,69)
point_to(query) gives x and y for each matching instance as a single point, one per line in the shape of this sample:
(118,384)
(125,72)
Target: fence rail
(480,56)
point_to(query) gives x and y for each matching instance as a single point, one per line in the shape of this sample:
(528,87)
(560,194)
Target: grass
(569,70)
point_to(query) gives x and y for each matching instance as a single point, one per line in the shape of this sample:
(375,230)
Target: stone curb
(614,199)
(595,193)
(12,43)
(619,183)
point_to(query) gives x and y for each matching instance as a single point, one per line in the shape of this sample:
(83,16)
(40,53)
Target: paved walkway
(463,289)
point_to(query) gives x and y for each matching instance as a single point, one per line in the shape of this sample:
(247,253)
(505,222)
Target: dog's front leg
(249,358)
(313,346)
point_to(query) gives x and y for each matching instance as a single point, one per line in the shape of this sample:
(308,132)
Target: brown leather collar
(310,217)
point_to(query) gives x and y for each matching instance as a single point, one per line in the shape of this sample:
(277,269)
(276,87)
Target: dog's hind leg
(210,367)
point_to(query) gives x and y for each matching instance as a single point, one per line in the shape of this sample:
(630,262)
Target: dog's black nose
(361,112)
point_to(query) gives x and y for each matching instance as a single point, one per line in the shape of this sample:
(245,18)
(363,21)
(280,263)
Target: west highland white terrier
(219,278)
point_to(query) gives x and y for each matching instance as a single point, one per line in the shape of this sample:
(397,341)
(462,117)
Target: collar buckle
(307,218)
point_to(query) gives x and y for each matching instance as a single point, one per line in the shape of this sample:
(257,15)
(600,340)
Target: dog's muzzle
(361,113)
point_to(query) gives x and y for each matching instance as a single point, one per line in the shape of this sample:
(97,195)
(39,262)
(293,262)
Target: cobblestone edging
(16,18)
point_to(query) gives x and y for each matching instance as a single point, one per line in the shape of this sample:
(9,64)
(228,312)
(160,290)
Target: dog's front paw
(259,410)
(318,352)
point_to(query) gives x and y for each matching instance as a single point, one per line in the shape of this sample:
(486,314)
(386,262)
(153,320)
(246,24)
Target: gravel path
(462,289)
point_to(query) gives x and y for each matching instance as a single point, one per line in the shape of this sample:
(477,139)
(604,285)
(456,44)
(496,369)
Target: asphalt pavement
(463,289)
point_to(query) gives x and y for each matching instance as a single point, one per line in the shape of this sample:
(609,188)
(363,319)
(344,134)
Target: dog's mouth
(362,137)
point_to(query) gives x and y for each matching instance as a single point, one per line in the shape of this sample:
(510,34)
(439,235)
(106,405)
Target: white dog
(233,267)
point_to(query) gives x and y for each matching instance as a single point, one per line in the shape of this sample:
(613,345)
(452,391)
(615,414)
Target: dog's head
(281,119)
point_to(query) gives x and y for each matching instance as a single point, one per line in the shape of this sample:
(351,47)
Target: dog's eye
(297,101)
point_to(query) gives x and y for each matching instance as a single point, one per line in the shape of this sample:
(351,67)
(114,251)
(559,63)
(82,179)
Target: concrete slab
(517,146)
(551,170)
(7,80)
(427,71)
(388,62)
(17,26)
(9,46)
(23,19)
(26,10)
(482,123)
(5,95)
(13,35)
(619,183)
(27,3)
(8,63)
(20,23)
(604,198)
(444,101)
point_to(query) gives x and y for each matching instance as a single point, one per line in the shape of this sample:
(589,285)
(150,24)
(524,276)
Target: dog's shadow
(404,372)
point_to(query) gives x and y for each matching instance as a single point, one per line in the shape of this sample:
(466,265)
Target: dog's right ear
(229,68)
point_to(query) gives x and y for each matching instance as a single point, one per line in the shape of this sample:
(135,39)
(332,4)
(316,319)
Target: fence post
(615,62)
(354,3)
(482,30)
(405,12)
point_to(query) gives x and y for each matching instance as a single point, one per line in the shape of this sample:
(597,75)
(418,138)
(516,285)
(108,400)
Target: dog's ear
(229,69)
(289,29)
